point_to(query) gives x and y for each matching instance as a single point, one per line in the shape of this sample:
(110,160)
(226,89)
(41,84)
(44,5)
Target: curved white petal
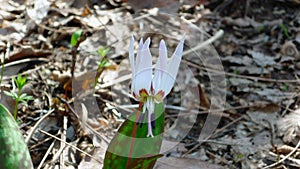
(145,57)
(142,80)
(143,75)
(167,83)
(138,57)
(173,64)
(169,77)
(160,67)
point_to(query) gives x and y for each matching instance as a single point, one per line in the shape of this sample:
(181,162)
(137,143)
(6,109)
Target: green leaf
(103,51)
(75,36)
(14,153)
(25,97)
(284,29)
(103,63)
(14,95)
(11,94)
(144,162)
(8,93)
(20,81)
(235,71)
(144,150)
(24,102)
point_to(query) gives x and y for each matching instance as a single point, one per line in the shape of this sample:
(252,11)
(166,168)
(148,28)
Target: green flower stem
(16,105)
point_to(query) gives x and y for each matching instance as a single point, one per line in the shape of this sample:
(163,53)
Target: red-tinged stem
(134,134)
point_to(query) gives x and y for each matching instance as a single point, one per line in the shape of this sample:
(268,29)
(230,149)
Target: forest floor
(236,98)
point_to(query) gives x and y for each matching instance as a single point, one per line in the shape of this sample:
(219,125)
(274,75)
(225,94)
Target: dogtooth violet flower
(149,89)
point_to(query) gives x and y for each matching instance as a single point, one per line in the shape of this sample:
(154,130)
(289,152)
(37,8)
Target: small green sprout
(236,72)
(75,37)
(18,97)
(102,62)
(103,51)
(238,158)
(284,29)
(284,87)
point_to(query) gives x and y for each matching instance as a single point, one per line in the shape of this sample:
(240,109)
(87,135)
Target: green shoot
(18,97)
(238,158)
(284,87)
(284,29)
(102,63)
(103,51)
(75,37)
(236,72)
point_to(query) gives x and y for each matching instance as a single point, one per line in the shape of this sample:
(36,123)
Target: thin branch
(36,126)
(284,158)
(46,155)
(205,43)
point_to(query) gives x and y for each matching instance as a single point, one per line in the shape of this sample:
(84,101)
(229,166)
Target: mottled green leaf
(14,153)
(131,148)
(144,162)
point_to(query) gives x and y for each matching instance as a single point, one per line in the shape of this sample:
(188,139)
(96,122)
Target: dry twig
(286,157)
(71,146)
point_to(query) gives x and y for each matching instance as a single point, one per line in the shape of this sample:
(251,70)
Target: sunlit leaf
(75,36)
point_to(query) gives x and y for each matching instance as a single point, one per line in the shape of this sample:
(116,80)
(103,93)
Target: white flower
(150,90)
